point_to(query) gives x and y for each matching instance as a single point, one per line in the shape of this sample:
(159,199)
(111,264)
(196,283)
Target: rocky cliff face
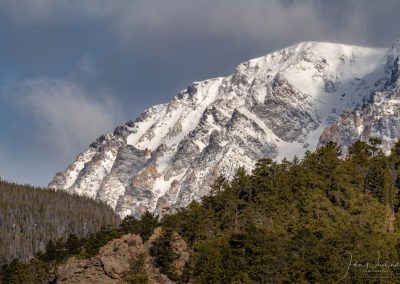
(377,116)
(120,258)
(277,106)
(108,266)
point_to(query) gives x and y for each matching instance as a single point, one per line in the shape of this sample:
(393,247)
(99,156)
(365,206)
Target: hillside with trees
(320,219)
(31,217)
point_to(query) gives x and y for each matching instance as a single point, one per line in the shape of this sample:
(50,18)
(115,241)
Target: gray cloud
(255,20)
(67,118)
(33,11)
(93,55)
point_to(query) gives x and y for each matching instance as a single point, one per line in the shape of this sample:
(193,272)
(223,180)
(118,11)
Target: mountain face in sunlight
(279,105)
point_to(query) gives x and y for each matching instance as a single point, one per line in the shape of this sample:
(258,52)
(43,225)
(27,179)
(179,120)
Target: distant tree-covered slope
(321,219)
(30,217)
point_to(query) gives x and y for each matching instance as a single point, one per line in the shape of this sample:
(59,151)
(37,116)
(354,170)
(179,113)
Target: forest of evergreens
(319,219)
(30,217)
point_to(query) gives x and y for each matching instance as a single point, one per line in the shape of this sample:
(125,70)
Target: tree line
(319,219)
(30,217)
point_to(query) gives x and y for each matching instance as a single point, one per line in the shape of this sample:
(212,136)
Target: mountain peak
(278,105)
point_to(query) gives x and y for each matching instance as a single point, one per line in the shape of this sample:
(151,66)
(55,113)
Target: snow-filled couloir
(277,106)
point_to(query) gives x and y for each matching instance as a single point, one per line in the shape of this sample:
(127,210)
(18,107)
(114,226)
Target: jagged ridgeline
(30,217)
(279,105)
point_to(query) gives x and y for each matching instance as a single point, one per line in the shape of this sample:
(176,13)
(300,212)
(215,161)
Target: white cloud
(68,119)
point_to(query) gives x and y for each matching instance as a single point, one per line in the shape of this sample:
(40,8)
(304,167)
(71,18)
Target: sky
(71,70)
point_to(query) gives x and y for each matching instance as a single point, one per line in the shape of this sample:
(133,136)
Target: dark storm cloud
(115,58)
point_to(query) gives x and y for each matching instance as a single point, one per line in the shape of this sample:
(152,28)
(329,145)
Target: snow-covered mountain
(277,106)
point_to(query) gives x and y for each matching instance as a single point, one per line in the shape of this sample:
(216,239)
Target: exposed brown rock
(82,271)
(116,255)
(114,260)
(146,178)
(176,129)
(156,234)
(330,134)
(180,247)
(108,266)
(147,153)
(349,128)
(149,135)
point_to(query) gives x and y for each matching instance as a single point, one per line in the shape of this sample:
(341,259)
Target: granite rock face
(114,261)
(108,266)
(279,105)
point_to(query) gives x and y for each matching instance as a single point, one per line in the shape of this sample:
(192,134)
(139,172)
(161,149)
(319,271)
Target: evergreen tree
(288,222)
(31,217)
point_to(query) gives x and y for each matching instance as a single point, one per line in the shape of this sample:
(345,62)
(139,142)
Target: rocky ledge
(120,259)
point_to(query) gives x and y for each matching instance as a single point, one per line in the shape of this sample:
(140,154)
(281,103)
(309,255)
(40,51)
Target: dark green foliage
(375,177)
(59,250)
(44,263)
(374,145)
(94,242)
(164,255)
(291,222)
(73,244)
(143,227)
(89,246)
(359,152)
(294,222)
(137,273)
(31,217)
(35,271)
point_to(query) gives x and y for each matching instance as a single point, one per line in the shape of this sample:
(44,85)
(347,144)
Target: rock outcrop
(108,266)
(114,261)
(276,106)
